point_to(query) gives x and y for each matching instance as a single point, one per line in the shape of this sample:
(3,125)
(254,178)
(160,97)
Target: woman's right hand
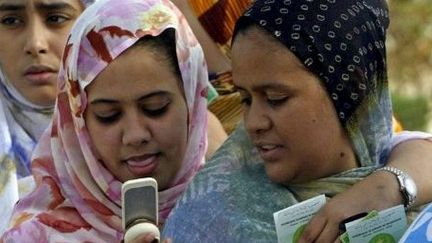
(382,192)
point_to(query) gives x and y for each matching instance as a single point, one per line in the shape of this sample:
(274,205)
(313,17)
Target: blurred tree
(409,46)
(411,111)
(410,41)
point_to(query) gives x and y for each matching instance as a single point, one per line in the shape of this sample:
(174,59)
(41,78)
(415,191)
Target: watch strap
(400,176)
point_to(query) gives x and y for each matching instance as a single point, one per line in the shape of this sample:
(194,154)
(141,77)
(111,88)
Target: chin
(278,176)
(43,100)
(42,95)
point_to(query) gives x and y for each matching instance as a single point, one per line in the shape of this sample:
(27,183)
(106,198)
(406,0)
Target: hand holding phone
(140,208)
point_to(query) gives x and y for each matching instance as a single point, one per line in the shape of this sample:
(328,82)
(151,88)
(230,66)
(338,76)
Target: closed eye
(156,113)
(108,119)
(246,100)
(277,101)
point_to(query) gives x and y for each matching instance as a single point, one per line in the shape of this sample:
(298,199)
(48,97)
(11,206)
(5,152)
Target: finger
(330,233)
(313,229)
(145,238)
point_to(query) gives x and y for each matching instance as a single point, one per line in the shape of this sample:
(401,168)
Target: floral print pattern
(76,197)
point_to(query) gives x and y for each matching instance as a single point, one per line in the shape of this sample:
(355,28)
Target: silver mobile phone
(140,207)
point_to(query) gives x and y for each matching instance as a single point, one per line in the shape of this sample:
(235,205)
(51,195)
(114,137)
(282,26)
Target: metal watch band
(401,176)
(393,170)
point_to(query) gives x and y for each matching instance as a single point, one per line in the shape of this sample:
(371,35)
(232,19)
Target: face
(33,34)
(287,112)
(137,117)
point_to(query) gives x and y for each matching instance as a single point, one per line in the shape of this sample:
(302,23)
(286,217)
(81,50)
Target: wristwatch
(407,185)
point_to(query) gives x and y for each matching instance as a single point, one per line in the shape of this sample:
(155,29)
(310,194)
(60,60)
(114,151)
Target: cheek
(58,49)
(7,50)
(105,140)
(297,117)
(326,114)
(315,130)
(171,133)
(58,41)
(305,125)
(7,67)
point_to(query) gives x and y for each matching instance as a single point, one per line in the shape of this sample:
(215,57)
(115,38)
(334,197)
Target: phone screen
(140,203)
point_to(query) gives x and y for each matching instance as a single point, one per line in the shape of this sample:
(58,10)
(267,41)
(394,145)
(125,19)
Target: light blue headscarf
(421,229)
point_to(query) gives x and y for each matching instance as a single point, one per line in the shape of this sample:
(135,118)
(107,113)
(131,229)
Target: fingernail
(149,237)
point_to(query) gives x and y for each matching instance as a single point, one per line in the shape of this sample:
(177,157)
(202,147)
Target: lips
(270,152)
(142,165)
(267,147)
(40,74)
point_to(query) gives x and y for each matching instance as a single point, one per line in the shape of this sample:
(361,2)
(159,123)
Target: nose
(36,39)
(257,120)
(135,131)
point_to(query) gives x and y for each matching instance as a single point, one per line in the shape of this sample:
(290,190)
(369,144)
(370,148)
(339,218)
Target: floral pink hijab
(76,198)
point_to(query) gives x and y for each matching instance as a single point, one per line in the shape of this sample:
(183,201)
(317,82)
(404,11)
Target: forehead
(128,74)
(40,4)
(255,49)
(260,62)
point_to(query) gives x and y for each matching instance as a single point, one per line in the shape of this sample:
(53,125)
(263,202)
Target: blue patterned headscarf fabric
(343,43)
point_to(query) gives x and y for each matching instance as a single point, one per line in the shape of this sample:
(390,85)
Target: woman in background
(33,34)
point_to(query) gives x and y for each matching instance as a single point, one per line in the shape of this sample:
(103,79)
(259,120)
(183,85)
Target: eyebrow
(42,6)
(11,7)
(267,87)
(55,6)
(142,98)
(272,87)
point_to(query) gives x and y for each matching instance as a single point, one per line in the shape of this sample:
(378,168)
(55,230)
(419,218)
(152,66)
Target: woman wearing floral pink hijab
(78,185)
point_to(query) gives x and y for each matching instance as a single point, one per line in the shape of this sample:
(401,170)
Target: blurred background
(409,46)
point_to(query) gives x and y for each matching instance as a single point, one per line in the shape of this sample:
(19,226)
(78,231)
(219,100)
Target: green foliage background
(409,46)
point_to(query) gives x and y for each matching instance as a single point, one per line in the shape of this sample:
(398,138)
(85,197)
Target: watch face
(410,187)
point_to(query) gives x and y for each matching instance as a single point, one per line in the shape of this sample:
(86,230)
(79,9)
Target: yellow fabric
(219,16)
(397,126)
